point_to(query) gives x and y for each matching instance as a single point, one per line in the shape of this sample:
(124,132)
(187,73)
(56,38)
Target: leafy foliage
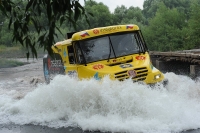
(99,15)
(167,25)
(25,17)
(193,39)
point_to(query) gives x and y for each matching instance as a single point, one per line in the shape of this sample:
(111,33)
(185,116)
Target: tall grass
(11,52)
(8,55)
(17,51)
(4,63)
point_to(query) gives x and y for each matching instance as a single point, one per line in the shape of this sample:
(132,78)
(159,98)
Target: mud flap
(52,65)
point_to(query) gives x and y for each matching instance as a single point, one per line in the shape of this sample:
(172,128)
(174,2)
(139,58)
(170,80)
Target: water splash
(107,105)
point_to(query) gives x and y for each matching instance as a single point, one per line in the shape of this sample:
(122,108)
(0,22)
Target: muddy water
(27,104)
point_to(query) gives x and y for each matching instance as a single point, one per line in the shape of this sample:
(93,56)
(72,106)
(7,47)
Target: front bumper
(163,82)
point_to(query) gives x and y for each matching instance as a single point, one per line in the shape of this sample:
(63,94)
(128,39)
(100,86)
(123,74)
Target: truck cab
(118,51)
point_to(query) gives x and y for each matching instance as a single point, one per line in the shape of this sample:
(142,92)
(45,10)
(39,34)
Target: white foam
(107,105)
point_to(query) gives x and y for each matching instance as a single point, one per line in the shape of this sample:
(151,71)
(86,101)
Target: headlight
(157,76)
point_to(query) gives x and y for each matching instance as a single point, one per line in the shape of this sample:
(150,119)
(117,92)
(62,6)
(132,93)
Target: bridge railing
(186,60)
(192,56)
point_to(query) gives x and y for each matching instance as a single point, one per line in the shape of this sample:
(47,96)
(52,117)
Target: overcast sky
(112,4)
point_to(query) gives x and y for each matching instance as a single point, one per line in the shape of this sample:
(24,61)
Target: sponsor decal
(132,73)
(140,57)
(84,34)
(126,65)
(98,66)
(129,27)
(110,29)
(65,53)
(96,76)
(96,31)
(56,63)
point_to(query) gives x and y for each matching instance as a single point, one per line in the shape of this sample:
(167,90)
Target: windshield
(110,46)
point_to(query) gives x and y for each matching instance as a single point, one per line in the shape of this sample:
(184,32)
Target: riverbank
(22,79)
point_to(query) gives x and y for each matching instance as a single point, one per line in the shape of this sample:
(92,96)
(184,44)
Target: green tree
(150,7)
(192,32)
(23,18)
(119,14)
(135,13)
(133,16)
(164,32)
(100,17)
(6,35)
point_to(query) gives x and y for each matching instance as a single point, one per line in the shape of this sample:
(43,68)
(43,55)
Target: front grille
(141,74)
(121,75)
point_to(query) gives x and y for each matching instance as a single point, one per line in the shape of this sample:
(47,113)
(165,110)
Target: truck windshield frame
(110,46)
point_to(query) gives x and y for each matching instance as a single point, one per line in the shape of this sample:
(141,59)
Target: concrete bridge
(186,62)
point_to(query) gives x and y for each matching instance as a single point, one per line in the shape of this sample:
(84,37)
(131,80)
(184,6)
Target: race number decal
(98,66)
(140,57)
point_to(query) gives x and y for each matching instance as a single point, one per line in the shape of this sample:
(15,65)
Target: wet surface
(25,99)
(43,129)
(37,129)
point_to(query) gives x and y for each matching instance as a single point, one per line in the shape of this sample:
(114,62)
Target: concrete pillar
(153,61)
(160,65)
(194,70)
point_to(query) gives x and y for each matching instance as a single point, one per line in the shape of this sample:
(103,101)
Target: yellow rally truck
(118,51)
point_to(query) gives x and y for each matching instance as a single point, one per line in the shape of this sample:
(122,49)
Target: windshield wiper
(111,48)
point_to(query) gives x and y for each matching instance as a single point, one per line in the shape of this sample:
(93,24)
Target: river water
(106,106)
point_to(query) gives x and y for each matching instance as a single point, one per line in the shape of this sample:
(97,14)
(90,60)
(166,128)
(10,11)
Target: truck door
(70,64)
